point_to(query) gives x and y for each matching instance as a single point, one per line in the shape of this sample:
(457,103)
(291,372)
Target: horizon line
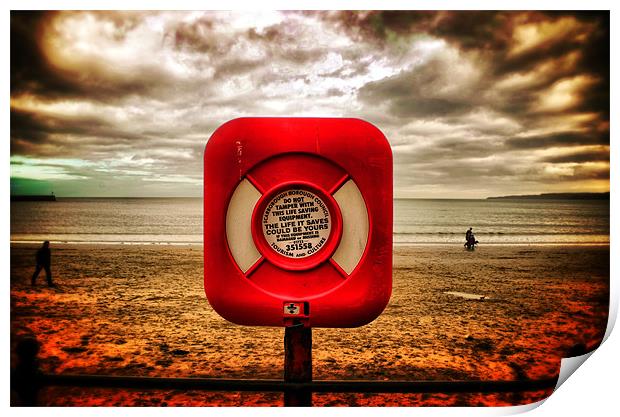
(394,198)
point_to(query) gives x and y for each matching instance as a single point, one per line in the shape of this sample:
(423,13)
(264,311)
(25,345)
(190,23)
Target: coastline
(395,245)
(141,310)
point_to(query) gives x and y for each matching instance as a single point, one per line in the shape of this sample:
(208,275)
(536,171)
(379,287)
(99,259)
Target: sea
(178,221)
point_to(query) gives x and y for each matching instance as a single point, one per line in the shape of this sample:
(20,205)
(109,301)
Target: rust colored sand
(141,310)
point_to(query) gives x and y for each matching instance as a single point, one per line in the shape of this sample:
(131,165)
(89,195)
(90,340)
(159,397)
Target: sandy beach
(141,310)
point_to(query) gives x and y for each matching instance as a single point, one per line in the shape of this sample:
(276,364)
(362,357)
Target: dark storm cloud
(30,72)
(488,37)
(532,67)
(566,139)
(279,41)
(28,127)
(33,126)
(585,173)
(421,92)
(596,60)
(601,155)
(480,32)
(33,72)
(199,36)
(471,30)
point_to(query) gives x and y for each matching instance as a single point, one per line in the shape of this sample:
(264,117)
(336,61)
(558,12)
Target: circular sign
(296,223)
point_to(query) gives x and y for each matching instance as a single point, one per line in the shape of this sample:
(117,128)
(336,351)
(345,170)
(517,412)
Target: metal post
(25,379)
(298,364)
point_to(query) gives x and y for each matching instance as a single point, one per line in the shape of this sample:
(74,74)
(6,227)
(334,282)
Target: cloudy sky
(474,104)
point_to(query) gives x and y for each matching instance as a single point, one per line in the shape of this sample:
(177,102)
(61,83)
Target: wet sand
(141,310)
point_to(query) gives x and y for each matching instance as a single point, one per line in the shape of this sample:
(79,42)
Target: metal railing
(27,380)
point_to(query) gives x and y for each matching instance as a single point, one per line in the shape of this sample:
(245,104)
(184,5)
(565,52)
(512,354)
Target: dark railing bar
(276,385)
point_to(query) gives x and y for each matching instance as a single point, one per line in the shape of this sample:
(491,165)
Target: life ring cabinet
(298,221)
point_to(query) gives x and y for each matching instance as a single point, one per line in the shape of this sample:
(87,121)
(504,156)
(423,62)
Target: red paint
(314,154)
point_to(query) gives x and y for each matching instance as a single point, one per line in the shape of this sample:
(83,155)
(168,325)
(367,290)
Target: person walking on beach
(44,261)
(470,239)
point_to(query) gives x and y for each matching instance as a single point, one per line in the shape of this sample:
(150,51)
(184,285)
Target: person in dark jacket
(44,261)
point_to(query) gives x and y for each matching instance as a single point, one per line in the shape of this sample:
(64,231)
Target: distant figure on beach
(470,239)
(44,261)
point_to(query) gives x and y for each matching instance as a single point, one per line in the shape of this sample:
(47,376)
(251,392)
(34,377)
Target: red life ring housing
(298,221)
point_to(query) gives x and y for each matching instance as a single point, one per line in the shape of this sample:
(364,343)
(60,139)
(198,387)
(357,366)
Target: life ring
(297,225)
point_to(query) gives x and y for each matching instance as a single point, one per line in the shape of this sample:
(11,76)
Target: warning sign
(296,223)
